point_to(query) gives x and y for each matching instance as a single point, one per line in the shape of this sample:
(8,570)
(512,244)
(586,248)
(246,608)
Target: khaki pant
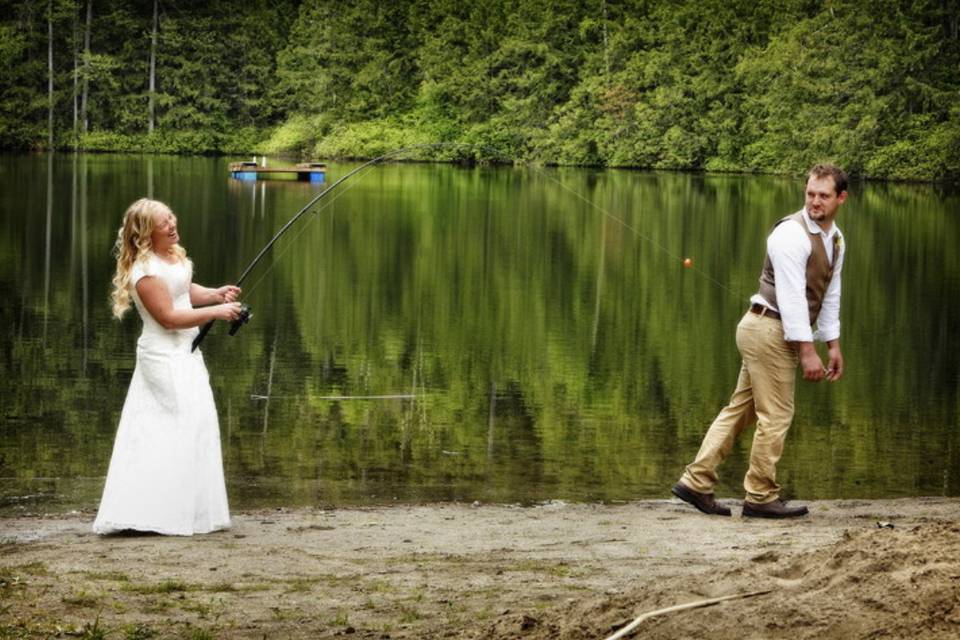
(764,394)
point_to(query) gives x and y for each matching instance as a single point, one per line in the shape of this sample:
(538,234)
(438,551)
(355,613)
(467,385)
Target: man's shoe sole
(684,494)
(774,516)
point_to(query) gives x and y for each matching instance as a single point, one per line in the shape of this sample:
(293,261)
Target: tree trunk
(86,68)
(76,75)
(50,74)
(952,18)
(153,68)
(47,247)
(84,267)
(606,50)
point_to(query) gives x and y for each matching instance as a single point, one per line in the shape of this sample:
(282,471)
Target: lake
(446,333)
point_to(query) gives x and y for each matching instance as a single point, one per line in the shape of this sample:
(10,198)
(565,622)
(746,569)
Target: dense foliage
(718,85)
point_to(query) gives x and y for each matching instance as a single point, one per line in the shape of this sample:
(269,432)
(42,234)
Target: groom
(799,286)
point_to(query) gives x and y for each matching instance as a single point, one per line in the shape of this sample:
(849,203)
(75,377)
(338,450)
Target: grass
(10,581)
(93,631)
(558,570)
(157,606)
(378,586)
(82,599)
(418,595)
(339,620)
(33,569)
(303,584)
(114,576)
(167,586)
(409,614)
(279,614)
(486,613)
(11,578)
(199,634)
(300,586)
(138,632)
(200,608)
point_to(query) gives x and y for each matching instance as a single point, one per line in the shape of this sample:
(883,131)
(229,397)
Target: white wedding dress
(166,471)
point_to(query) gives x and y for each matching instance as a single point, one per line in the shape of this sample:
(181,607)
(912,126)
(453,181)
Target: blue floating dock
(305,171)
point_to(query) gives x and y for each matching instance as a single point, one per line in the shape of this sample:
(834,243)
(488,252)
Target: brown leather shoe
(776,509)
(703,501)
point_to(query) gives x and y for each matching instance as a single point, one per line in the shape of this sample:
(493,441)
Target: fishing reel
(246,313)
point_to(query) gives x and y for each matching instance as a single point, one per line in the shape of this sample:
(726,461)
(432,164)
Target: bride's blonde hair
(134,244)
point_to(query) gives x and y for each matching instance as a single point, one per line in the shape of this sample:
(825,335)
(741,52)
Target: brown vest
(819,270)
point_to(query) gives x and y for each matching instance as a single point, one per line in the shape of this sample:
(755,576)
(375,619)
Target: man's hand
(835,368)
(810,362)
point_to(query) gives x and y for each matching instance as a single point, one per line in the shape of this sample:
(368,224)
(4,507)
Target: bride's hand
(227,312)
(228,293)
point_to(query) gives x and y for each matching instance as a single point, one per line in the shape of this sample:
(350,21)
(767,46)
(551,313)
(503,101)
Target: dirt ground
(851,569)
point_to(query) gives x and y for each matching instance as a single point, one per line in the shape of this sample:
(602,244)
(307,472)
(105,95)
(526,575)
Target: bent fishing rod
(245,312)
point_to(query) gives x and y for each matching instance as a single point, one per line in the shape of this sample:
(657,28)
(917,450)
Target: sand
(851,569)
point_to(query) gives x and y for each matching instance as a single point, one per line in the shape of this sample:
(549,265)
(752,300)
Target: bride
(166,472)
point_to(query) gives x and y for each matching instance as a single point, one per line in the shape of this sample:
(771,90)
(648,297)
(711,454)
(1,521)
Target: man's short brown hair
(839,175)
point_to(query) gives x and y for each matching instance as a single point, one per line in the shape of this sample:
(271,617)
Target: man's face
(822,200)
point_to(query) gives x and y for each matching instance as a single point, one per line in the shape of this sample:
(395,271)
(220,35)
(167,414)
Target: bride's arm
(155,297)
(201,296)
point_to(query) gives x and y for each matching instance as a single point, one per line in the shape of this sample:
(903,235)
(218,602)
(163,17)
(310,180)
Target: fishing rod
(246,314)
(245,311)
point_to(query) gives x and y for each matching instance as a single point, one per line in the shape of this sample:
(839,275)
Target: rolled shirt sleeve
(789,249)
(828,322)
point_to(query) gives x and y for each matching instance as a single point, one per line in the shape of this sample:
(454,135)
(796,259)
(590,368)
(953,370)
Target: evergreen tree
(722,85)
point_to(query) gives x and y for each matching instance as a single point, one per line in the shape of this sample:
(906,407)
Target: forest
(763,86)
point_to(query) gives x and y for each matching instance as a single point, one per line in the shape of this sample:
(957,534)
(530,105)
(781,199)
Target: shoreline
(943,182)
(487,571)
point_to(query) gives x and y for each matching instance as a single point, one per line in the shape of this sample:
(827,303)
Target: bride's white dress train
(166,471)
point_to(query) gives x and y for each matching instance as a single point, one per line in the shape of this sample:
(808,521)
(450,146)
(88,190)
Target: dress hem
(108,528)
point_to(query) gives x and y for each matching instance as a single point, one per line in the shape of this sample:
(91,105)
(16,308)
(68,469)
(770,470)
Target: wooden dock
(304,171)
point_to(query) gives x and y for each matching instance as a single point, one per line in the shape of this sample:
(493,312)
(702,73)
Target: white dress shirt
(789,248)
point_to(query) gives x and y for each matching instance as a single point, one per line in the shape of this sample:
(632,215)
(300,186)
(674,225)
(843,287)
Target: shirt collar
(813,227)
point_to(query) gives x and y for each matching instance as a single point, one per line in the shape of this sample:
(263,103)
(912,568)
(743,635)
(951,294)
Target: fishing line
(365,168)
(293,240)
(496,153)
(356,174)
(245,312)
(637,232)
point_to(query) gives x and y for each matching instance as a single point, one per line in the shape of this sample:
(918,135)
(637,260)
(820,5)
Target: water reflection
(445,333)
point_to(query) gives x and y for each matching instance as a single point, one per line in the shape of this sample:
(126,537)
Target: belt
(761,310)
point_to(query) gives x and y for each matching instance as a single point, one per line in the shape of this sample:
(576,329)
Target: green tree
(860,87)
(717,85)
(354,59)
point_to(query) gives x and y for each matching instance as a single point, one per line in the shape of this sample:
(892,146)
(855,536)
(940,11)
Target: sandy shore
(480,571)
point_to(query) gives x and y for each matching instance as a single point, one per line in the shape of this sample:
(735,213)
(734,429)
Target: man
(799,286)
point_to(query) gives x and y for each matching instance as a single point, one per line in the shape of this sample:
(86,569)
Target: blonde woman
(166,471)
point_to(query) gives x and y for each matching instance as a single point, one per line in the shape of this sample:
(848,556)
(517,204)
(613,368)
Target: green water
(541,319)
